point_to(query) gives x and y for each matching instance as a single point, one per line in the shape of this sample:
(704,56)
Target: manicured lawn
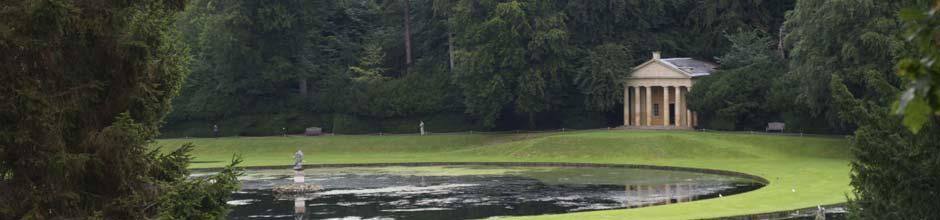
(803,171)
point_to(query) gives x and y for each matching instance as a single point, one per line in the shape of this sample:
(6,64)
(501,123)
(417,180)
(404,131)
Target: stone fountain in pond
(298,187)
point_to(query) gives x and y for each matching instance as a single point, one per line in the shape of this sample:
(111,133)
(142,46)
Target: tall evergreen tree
(602,75)
(371,62)
(897,165)
(247,53)
(85,89)
(737,95)
(843,55)
(710,20)
(513,55)
(641,26)
(445,9)
(855,40)
(406,15)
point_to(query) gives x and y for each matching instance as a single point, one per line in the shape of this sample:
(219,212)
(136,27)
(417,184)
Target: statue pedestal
(296,188)
(300,205)
(298,176)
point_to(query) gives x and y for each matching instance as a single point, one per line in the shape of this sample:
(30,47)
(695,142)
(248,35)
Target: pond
(472,191)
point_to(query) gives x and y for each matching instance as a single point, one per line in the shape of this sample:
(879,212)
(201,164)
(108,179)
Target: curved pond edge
(759,179)
(756,178)
(780,214)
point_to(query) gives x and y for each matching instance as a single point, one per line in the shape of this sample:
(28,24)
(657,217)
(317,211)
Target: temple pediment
(657,69)
(655,93)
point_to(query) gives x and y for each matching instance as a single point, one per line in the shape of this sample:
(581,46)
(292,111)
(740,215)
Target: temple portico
(655,93)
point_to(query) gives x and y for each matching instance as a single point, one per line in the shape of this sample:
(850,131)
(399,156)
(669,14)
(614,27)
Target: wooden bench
(775,126)
(313,131)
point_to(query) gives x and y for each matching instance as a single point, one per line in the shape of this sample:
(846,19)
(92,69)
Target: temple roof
(693,67)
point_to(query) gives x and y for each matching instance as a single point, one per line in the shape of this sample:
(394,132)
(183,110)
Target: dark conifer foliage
(85,87)
(897,165)
(742,94)
(495,62)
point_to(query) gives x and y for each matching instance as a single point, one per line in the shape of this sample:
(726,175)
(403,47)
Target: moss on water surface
(803,171)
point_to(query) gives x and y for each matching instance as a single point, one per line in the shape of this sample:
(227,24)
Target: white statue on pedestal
(422,127)
(298,160)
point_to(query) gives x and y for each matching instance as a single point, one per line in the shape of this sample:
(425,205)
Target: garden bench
(313,131)
(775,126)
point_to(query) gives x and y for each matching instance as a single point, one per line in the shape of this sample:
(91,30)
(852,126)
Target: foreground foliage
(86,85)
(920,102)
(898,161)
(844,56)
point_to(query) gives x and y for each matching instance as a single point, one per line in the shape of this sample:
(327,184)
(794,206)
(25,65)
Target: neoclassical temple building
(655,93)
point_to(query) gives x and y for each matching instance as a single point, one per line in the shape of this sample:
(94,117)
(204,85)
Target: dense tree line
(494,63)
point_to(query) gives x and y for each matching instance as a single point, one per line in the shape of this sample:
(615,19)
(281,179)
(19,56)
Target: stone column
(685,107)
(636,106)
(649,106)
(626,105)
(687,193)
(298,176)
(680,193)
(667,192)
(626,195)
(679,105)
(688,112)
(665,106)
(643,192)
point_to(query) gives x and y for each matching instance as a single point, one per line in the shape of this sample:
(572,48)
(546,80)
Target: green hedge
(258,125)
(717,123)
(803,123)
(186,129)
(582,119)
(350,124)
(268,125)
(795,123)
(439,123)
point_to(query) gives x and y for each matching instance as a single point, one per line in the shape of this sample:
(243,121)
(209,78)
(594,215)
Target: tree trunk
(303,87)
(450,49)
(780,35)
(532,121)
(407,14)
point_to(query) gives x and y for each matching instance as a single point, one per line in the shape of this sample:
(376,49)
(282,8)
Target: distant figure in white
(298,160)
(422,127)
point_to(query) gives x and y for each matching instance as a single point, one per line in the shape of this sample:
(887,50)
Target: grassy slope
(817,168)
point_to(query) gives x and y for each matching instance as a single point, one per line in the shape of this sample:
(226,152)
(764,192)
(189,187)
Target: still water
(471,191)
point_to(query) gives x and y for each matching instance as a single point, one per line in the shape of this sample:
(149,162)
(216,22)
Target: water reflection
(640,195)
(397,194)
(300,208)
(300,203)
